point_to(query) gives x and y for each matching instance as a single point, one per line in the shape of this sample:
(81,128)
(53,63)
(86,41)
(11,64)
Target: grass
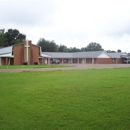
(33,66)
(65,100)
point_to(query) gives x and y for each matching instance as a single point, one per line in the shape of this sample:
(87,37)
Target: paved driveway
(74,67)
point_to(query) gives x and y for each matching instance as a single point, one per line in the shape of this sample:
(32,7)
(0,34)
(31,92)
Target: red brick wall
(17,52)
(35,53)
(102,61)
(3,61)
(119,60)
(89,61)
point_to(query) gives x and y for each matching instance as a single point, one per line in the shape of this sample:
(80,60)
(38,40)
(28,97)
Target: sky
(73,23)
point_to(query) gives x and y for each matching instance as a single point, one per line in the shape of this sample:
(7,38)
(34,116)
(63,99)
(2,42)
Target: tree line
(51,46)
(13,36)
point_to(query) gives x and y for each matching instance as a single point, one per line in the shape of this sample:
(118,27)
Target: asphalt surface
(73,67)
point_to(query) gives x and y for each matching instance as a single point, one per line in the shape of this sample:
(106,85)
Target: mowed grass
(65,100)
(33,66)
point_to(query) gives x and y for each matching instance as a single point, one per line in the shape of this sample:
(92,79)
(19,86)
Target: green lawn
(32,66)
(65,100)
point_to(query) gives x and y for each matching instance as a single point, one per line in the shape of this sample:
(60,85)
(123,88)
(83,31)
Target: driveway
(74,67)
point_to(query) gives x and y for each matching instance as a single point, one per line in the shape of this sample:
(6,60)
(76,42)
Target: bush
(25,63)
(35,63)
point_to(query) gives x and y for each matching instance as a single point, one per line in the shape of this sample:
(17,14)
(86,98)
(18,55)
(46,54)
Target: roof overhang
(9,55)
(43,55)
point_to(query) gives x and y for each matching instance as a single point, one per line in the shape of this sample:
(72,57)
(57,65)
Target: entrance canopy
(44,55)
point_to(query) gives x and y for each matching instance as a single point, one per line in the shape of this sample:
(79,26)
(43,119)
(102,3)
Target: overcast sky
(74,23)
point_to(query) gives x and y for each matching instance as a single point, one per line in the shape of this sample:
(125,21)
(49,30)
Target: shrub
(25,63)
(35,63)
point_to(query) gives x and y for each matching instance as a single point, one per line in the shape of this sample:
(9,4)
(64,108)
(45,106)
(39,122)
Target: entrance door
(45,61)
(83,61)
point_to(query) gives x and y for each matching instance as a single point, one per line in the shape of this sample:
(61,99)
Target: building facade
(93,57)
(26,52)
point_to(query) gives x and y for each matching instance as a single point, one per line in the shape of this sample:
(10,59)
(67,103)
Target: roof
(6,50)
(43,55)
(59,54)
(117,55)
(7,55)
(91,54)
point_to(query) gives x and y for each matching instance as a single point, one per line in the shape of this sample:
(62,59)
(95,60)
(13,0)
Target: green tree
(84,49)
(12,37)
(93,46)
(110,51)
(73,49)
(2,37)
(118,50)
(47,46)
(62,48)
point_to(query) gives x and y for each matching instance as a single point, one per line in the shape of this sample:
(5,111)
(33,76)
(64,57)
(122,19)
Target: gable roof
(91,54)
(59,54)
(117,55)
(7,55)
(6,50)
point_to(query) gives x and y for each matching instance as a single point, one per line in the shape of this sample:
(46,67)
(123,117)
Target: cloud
(70,22)
(27,13)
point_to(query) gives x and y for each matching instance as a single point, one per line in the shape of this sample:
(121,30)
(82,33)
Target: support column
(48,61)
(71,61)
(78,60)
(0,60)
(92,60)
(85,61)
(9,62)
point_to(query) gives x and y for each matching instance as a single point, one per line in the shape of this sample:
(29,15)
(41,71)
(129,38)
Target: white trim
(103,55)
(43,55)
(27,46)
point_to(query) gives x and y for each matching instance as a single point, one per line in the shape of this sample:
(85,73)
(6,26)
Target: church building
(24,53)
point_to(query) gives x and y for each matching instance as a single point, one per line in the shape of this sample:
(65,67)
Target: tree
(62,48)
(93,46)
(12,37)
(73,49)
(47,46)
(84,49)
(2,37)
(118,50)
(110,51)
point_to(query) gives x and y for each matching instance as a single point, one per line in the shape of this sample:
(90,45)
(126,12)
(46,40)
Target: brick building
(26,52)
(91,57)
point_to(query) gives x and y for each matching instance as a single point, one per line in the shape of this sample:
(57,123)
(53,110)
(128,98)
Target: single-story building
(92,57)
(29,53)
